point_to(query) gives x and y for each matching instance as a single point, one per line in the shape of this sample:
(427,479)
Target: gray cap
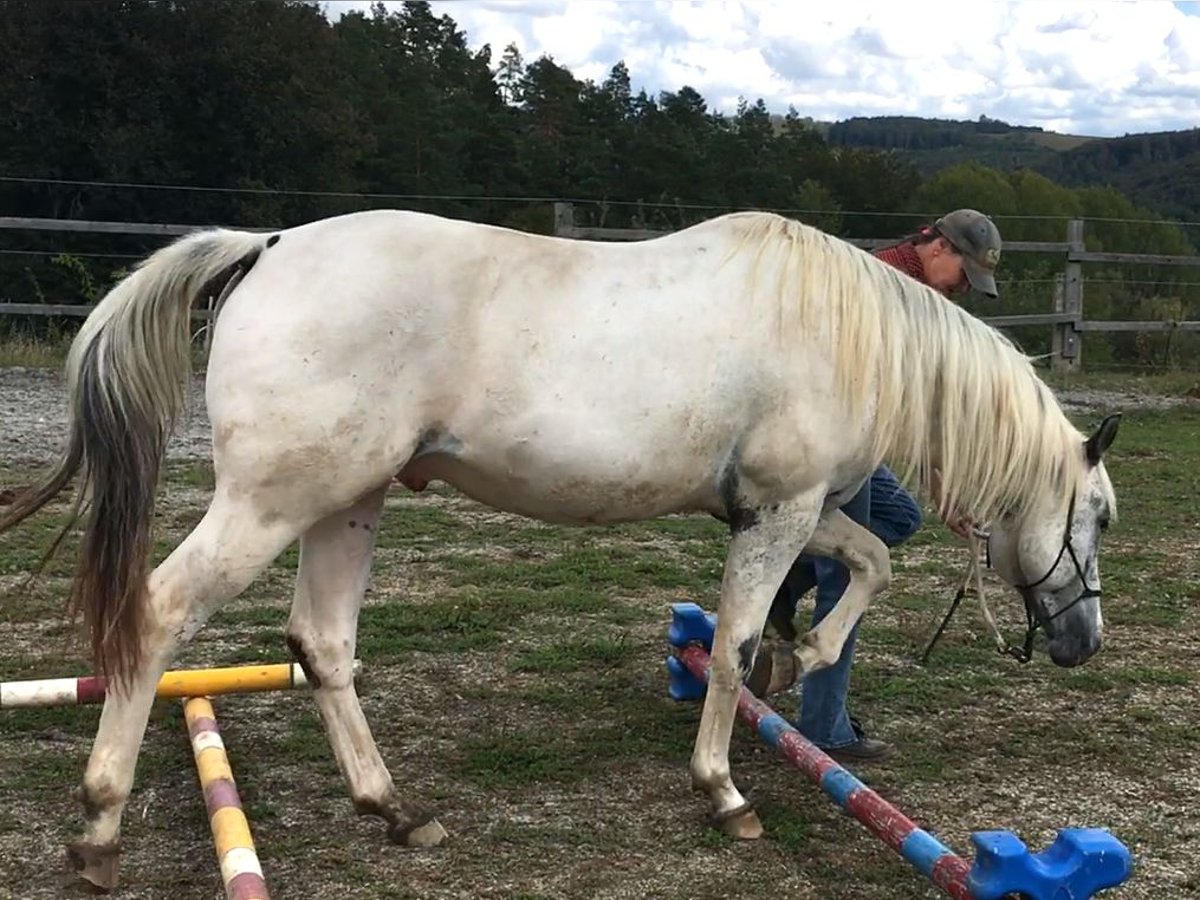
(976,237)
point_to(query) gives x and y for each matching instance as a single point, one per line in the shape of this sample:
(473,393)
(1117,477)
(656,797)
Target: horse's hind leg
(335,562)
(222,555)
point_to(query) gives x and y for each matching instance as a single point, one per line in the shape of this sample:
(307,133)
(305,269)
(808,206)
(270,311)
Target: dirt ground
(520,688)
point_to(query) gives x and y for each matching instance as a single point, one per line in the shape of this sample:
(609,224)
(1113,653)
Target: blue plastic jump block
(683,684)
(689,624)
(1080,862)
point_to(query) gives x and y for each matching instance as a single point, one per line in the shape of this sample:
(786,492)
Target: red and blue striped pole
(1079,863)
(927,854)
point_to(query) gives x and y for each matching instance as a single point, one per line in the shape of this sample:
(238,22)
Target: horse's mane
(945,388)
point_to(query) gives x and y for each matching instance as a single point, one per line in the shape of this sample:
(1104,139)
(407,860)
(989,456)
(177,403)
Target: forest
(1159,170)
(267,113)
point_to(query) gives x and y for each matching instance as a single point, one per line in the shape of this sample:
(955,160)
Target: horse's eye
(1104,524)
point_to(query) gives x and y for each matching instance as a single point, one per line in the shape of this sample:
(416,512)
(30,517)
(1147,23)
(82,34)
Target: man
(957,253)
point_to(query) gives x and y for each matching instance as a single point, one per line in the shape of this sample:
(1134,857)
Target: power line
(270,191)
(1142,282)
(70,253)
(1118,281)
(482,198)
(368,195)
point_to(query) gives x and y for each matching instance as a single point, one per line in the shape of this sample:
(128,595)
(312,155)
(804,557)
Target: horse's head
(1051,556)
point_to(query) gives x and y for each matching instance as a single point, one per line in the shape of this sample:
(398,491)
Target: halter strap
(1034,616)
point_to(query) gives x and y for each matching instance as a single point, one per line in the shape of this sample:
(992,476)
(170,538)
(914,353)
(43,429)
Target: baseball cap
(976,237)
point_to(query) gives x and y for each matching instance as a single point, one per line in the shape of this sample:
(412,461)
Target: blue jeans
(893,516)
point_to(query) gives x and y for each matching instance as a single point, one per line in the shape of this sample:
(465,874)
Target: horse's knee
(303,655)
(323,666)
(877,571)
(883,577)
(815,651)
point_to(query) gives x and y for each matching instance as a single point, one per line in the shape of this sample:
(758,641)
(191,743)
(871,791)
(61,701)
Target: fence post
(564,219)
(1068,340)
(1058,329)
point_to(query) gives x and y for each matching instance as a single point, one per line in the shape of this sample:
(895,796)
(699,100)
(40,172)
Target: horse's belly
(568,494)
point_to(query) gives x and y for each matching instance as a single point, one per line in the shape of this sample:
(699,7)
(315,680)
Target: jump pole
(241,871)
(178,683)
(1079,863)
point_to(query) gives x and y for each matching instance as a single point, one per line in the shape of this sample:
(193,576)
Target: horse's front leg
(765,540)
(785,662)
(869,562)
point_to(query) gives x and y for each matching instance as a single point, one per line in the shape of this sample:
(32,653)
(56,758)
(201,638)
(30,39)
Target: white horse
(748,367)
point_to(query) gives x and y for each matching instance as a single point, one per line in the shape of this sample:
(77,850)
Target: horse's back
(403,286)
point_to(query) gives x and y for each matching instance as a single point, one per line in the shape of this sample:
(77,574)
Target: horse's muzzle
(1070,650)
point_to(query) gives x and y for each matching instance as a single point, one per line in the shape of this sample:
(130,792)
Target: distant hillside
(1159,171)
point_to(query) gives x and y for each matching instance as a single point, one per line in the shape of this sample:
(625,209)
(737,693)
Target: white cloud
(1101,67)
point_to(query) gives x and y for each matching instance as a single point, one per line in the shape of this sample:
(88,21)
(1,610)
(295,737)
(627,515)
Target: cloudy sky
(1079,66)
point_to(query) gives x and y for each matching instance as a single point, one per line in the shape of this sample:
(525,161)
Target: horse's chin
(1069,651)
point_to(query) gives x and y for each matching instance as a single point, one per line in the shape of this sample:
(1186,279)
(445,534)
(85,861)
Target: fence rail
(1065,317)
(155,228)
(62,309)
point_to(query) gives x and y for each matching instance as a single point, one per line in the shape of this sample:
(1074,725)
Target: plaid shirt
(904,257)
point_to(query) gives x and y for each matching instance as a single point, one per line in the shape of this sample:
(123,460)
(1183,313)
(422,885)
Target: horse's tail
(127,374)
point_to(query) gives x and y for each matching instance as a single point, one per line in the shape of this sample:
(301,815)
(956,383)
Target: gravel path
(33,418)
(33,415)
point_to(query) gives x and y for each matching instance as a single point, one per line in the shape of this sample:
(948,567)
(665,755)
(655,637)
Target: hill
(1158,170)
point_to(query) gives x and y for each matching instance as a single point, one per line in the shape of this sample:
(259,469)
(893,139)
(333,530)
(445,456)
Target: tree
(431,112)
(509,75)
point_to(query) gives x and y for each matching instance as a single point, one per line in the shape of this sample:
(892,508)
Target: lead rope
(977,546)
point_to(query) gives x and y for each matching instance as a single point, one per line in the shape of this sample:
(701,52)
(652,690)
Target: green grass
(1166,384)
(575,655)
(19,349)
(48,350)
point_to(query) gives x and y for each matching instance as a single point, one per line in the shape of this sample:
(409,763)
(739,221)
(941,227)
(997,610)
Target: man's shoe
(864,749)
(774,668)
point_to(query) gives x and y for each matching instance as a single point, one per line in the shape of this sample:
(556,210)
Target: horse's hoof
(95,864)
(428,834)
(741,823)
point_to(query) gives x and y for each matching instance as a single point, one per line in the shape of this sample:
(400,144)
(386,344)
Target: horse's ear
(1102,438)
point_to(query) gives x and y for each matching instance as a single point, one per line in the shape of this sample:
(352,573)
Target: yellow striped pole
(240,868)
(174,684)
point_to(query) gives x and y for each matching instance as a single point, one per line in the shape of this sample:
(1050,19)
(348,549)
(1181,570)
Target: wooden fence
(1065,316)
